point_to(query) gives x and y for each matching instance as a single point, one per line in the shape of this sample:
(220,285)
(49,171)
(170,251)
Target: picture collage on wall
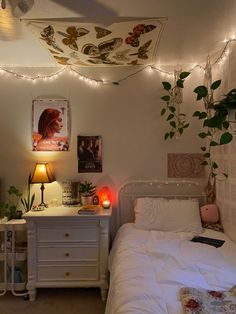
(51,132)
(89,152)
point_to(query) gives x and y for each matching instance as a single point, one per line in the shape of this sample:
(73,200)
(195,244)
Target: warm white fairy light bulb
(93,82)
(149,70)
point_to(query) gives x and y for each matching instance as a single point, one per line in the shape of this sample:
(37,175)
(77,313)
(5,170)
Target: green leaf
(226,138)
(214,122)
(202,135)
(203,148)
(204,163)
(166,85)
(165,98)
(226,124)
(199,97)
(180,83)
(170,116)
(173,124)
(32,201)
(166,136)
(202,115)
(183,75)
(214,165)
(213,143)
(215,84)
(172,108)
(196,114)
(201,91)
(225,174)
(186,126)
(163,111)
(206,155)
(181,130)
(172,134)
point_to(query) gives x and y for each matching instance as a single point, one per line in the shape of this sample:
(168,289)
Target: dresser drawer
(86,233)
(67,273)
(68,254)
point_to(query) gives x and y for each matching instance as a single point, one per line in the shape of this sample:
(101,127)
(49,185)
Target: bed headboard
(168,189)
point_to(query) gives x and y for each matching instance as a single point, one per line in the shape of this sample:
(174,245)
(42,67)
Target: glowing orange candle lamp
(105,197)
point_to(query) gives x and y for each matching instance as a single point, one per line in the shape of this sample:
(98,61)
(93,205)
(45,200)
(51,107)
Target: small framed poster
(50,125)
(89,151)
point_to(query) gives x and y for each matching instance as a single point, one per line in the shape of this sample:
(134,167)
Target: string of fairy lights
(224,53)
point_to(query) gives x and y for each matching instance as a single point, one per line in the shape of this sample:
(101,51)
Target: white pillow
(167,214)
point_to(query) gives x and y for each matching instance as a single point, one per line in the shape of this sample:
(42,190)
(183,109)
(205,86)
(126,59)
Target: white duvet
(147,269)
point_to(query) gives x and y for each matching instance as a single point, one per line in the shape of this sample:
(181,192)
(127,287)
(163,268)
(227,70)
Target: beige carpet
(55,301)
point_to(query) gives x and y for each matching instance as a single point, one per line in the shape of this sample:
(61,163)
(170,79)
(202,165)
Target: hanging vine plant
(215,128)
(174,117)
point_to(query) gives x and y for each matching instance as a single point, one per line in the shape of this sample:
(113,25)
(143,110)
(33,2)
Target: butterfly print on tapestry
(138,30)
(134,62)
(100,53)
(47,35)
(71,36)
(101,32)
(142,51)
(62,60)
(122,55)
(54,52)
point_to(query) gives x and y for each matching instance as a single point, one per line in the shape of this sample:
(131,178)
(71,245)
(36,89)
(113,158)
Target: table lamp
(42,174)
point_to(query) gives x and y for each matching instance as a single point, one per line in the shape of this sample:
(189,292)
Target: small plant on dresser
(87,191)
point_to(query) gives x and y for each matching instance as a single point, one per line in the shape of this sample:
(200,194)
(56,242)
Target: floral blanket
(202,301)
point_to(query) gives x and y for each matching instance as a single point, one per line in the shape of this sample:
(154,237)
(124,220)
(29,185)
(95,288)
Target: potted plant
(215,132)
(9,208)
(87,191)
(175,118)
(29,200)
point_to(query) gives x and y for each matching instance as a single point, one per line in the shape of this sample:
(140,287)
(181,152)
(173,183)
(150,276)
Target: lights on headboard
(160,183)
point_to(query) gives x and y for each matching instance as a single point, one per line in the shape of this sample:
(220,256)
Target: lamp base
(42,204)
(40,207)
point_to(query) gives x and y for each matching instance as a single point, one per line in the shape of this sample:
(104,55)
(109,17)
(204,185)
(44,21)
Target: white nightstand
(66,249)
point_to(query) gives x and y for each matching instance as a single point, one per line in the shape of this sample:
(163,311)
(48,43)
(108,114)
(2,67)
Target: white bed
(148,267)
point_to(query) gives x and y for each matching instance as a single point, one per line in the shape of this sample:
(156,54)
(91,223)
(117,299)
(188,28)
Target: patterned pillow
(199,301)
(217,227)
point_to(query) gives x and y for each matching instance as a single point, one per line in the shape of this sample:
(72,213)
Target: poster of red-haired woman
(50,125)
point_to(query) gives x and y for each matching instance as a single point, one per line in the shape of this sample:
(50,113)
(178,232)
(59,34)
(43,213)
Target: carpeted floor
(55,301)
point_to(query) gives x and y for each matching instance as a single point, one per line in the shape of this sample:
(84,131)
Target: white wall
(127,117)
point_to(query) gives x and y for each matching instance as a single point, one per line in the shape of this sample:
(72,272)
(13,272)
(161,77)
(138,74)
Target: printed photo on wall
(50,125)
(89,151)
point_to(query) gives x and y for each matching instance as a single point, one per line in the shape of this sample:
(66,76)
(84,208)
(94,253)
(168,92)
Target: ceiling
(194,28)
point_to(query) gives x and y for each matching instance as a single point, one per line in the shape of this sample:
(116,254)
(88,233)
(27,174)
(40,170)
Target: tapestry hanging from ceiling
(86,44)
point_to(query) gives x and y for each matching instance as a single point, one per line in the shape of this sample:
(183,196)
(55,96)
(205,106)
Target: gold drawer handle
(67,254)
(67,274)
(66,234)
